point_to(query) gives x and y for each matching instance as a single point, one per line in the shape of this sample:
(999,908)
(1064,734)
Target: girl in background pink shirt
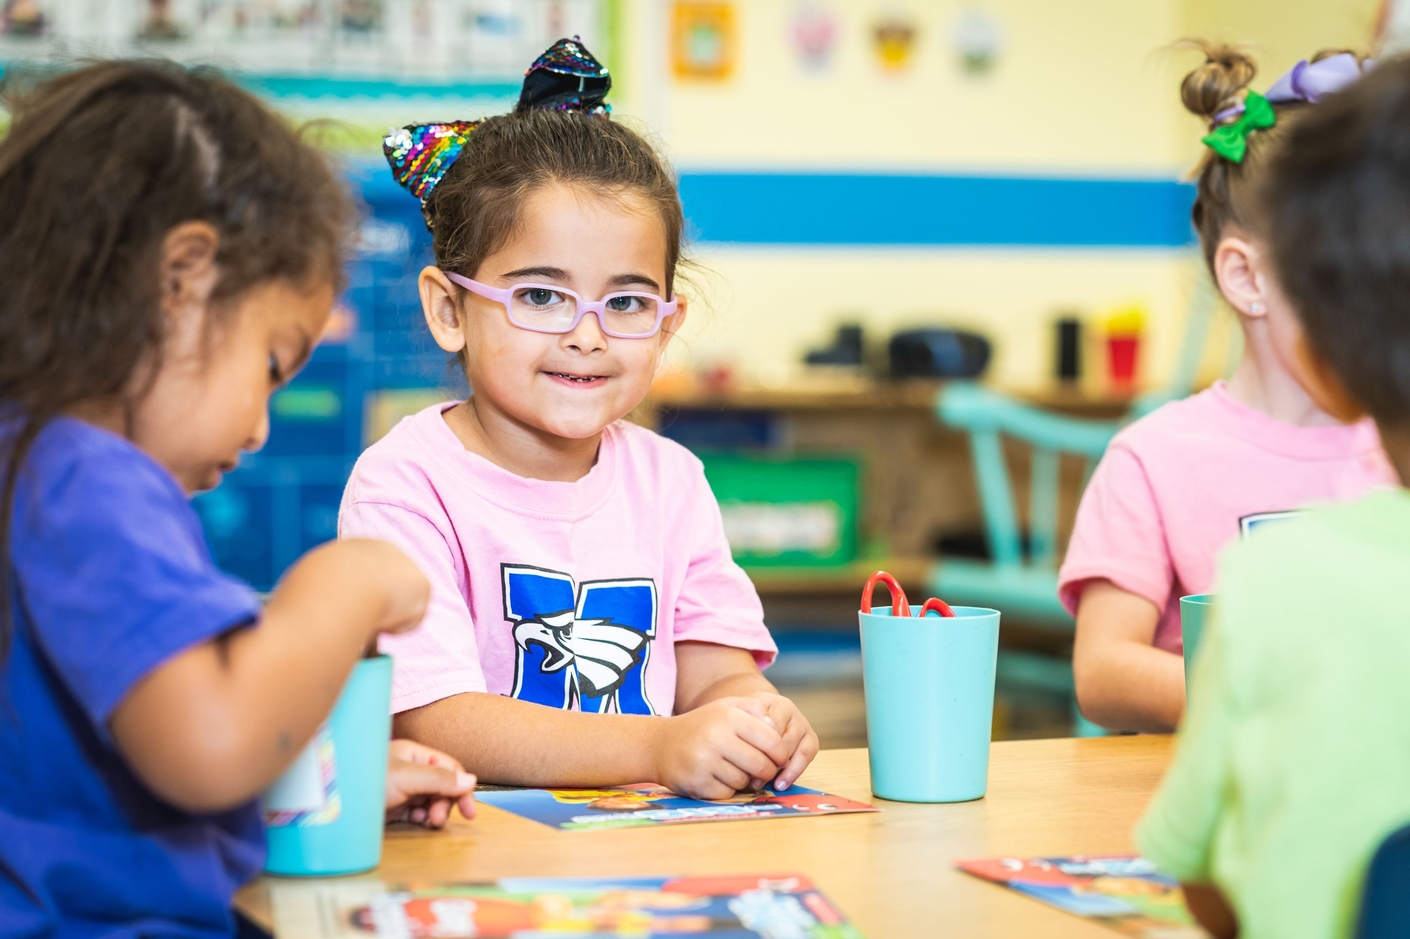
(587,625)
(1178,485)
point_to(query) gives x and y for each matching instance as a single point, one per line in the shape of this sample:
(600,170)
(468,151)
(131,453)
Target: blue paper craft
(646,804)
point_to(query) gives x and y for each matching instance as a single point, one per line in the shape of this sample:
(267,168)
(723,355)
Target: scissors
(899,605)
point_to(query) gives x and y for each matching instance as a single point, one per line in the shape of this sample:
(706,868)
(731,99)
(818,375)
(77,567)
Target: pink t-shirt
(571,595)
(1178,485)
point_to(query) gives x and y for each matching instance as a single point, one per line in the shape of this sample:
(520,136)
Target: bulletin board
(315,48)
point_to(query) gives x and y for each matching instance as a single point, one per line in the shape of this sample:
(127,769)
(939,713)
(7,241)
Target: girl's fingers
(467,805)
(763,738)
(730,776)
(748,762)
(807,749)
(437,813)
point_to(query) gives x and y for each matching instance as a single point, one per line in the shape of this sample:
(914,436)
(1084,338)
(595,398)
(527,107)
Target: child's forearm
(1129,686)
(1123,681)
(504,741)
(706,672)
(213,726)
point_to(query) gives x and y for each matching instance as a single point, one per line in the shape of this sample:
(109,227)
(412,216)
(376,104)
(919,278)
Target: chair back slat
(996,497)
(988,417)
(1043,507)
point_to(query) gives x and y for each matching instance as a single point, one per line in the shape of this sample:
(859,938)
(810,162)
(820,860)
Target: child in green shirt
(1293,762)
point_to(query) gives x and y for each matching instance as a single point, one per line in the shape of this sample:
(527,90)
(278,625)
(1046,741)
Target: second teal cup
(929,687)
(325,815)
(1194,613)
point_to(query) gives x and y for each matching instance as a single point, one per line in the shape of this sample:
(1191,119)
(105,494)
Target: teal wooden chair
(1024,584)
(1020,585)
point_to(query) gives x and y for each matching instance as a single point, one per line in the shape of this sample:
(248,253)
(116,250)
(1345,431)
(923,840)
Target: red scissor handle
(938,605)
(900,606)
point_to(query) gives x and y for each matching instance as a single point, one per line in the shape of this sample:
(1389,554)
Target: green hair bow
(1231,140)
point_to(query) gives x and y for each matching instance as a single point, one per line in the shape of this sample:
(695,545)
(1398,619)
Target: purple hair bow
(1312,81)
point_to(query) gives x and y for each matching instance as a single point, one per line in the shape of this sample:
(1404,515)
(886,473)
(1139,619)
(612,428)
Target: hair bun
(1216,84)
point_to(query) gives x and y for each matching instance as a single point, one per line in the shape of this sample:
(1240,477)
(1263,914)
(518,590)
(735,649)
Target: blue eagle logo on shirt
(580,646)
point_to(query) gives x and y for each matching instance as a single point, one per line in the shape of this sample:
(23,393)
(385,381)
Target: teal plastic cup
(325,815)
(929,687)
(1194,613)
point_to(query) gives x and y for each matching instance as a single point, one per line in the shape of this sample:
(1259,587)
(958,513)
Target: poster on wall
(815,29)
(379,40)
(894,38)
(704,40)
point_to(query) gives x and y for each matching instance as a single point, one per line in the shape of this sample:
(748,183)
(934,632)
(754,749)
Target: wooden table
(892,872)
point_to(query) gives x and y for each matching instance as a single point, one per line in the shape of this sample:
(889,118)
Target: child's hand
(422,784)
(360,564)
(719,748)
(798,737)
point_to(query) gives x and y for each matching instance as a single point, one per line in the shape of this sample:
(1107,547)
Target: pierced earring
(1256,308)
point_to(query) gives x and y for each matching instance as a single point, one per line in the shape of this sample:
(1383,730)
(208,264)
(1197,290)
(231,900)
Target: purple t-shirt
(110,577)
(568,594)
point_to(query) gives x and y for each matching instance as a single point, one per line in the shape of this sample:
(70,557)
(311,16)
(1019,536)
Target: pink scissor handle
(900,606)
(938,605)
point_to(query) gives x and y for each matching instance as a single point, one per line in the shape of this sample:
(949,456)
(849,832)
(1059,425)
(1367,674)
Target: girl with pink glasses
(587,625)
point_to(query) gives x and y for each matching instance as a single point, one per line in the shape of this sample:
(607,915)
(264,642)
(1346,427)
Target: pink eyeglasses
(545,308)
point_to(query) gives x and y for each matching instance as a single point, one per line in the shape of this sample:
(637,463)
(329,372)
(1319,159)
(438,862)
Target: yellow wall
(1083,87)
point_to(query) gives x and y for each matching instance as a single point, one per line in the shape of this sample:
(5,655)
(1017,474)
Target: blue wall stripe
(313,86)
(847,209)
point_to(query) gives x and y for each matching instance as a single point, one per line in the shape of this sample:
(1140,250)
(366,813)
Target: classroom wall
(1082,89)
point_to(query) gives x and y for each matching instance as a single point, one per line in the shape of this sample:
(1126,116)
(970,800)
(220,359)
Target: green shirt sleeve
(1179,827)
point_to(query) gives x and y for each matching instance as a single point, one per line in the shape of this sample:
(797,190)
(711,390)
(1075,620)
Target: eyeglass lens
(548,309)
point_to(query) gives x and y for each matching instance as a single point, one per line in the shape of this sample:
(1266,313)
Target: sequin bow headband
(565,78)
(1306,81)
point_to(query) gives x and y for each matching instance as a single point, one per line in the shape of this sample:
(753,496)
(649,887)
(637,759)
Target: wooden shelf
(854,393)
(912,572)
(832,394)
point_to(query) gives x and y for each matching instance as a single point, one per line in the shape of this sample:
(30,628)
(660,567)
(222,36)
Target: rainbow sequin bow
(564,78)
(420,154)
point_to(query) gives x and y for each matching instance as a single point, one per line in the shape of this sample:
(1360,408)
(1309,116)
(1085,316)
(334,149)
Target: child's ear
(187,267)
(673,323)
(442,312)
(1236,266)
(1324,387)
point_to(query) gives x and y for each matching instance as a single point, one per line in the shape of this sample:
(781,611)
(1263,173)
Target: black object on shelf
(1069,349)
(938,353)
(846,348)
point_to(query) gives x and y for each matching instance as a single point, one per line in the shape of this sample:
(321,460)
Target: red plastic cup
(1122,353)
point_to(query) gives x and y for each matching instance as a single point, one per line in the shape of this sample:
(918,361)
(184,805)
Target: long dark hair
(99,164)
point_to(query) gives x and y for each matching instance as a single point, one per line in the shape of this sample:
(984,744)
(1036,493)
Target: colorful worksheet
(726,907)
(1124,892)
(645,804)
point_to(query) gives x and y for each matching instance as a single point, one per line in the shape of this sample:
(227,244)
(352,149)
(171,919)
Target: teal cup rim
(1205,599)
(961,612)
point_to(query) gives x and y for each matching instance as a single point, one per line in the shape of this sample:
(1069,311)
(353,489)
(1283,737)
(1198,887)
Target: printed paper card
(645,804)
(736,907)
(1124,892)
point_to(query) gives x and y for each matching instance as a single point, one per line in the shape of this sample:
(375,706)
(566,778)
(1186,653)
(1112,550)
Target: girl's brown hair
(98,165)
(1225,191)
(475,208)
